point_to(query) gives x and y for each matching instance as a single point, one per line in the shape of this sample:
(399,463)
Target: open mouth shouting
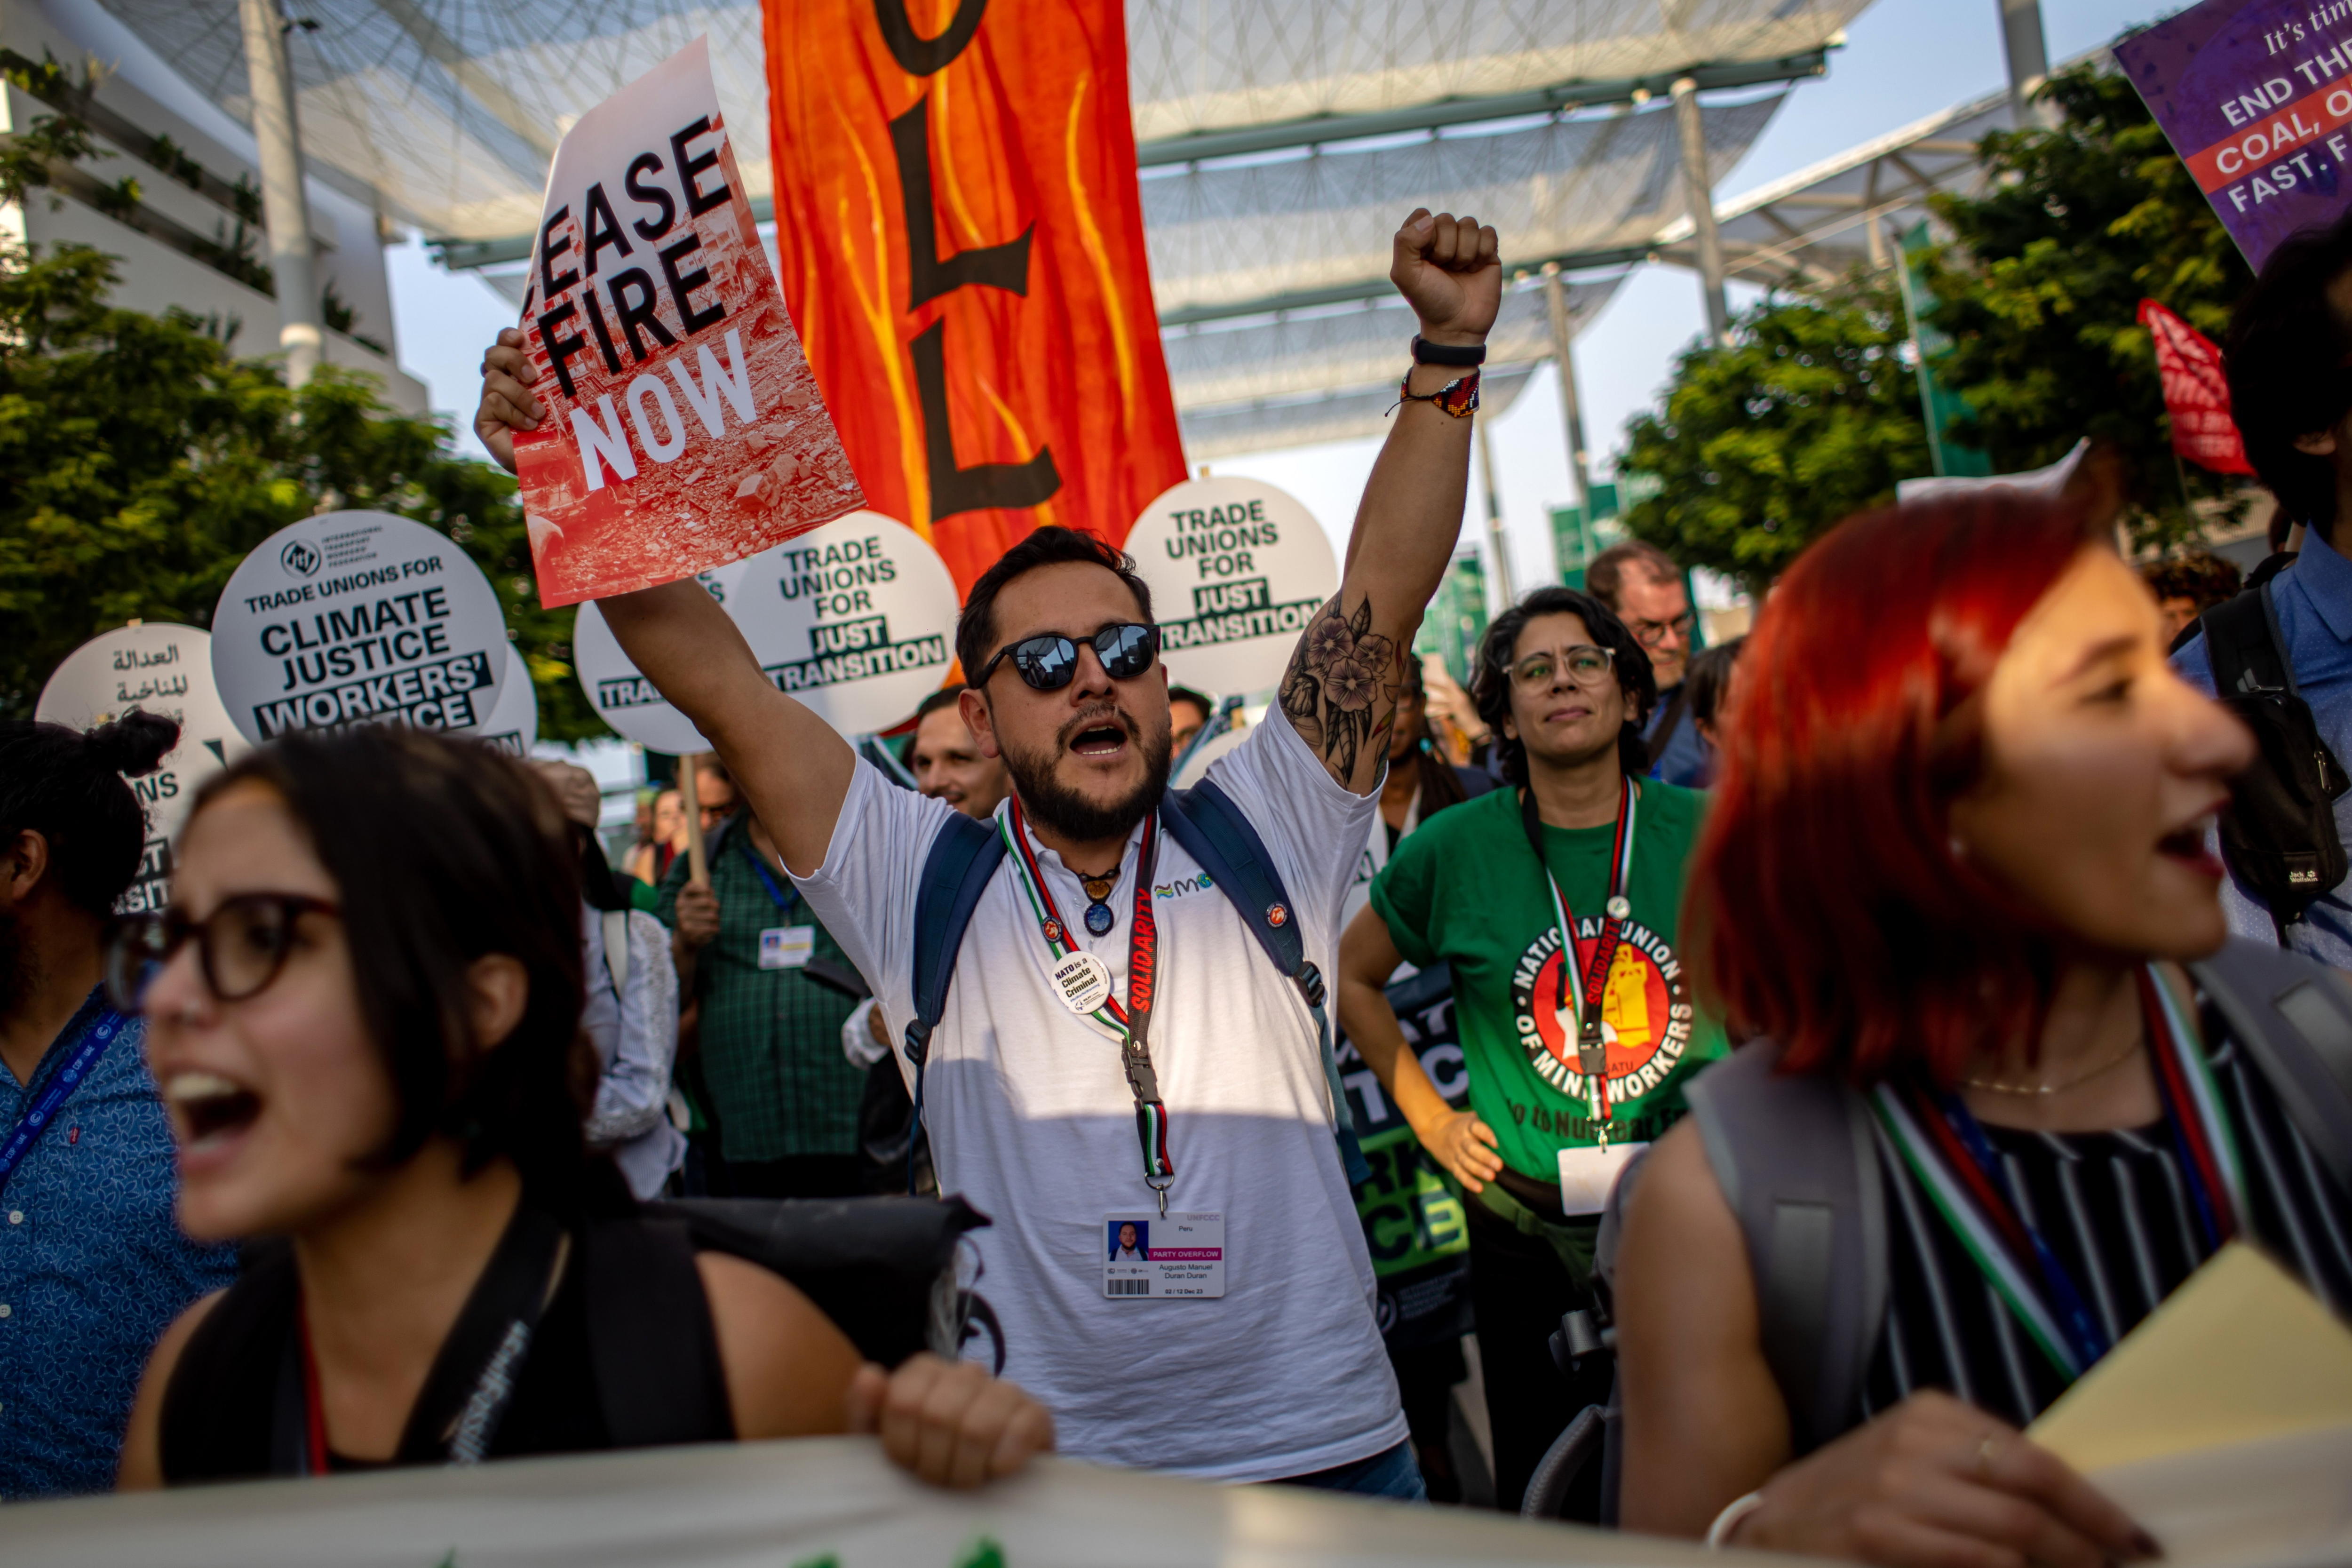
(1098,737)
(2187,847)
(210,1115)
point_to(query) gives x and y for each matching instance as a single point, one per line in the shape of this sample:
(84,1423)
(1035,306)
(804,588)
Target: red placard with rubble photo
(682,429)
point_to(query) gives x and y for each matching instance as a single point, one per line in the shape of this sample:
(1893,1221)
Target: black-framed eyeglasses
(241,946)
(1649,633)
(1049,661)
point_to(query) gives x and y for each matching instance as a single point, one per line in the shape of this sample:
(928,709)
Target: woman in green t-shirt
(1566,687)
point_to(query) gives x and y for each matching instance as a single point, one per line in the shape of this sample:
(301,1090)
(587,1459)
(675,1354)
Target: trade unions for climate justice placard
(682,429)
(354,618)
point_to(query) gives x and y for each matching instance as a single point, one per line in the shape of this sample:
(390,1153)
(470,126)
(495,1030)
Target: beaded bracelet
(1459,398)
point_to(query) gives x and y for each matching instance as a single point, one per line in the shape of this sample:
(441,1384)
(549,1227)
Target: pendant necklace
(1100,919)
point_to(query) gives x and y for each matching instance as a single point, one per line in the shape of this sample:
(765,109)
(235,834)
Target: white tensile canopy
(1280,140)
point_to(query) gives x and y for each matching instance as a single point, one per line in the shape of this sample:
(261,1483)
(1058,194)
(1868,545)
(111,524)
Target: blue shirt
(1680,758)
(2314,602)
(92,1264)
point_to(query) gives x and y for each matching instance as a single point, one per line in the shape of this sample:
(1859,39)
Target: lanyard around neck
(1948,1151)
(782,898)
(1130,1023)
(94,1029)
(1592,985)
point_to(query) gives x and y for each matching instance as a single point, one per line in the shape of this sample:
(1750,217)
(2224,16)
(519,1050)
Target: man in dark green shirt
(772,989)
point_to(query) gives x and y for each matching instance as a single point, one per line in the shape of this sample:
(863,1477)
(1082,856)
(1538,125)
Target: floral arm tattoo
(1340,692)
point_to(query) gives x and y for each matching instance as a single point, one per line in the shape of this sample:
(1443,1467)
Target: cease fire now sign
(682,429)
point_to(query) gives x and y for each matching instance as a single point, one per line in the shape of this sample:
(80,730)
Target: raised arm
(1340,690)
(796,770)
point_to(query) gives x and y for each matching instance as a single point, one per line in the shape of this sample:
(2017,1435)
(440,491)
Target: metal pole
(1571,411)
(284,207)
(2028,57)
(1495,545)
(1698,191)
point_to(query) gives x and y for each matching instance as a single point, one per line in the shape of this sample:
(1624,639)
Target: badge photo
(1148,1255)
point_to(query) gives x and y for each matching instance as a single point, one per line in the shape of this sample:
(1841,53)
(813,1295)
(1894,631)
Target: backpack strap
(962,859)
(616,948)
(1213,830)
(2294,1016)
(659,1378)
(2243,643)
(1795,1156)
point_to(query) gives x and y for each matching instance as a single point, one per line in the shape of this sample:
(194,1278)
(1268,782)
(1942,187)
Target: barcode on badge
(1128,1286)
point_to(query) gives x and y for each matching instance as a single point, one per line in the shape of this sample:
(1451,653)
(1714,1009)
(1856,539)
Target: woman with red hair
(2008,1089)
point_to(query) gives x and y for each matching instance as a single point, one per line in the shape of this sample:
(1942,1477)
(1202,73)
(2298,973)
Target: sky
(1904,60)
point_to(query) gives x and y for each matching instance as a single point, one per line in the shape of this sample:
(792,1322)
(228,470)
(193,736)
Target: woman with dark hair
(1575,1058)
(364,1011)
(91,1267)
(1957,879)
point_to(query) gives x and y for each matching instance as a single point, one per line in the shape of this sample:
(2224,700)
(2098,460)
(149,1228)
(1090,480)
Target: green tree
(140,459)
(1810,413)
(2040,285)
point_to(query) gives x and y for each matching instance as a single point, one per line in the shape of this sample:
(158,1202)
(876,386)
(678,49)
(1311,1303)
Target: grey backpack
(1799,1167)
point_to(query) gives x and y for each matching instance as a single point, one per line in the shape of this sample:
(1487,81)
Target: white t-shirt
(1030,1118)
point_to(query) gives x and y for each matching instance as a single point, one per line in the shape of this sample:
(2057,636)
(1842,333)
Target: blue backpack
(1212,830)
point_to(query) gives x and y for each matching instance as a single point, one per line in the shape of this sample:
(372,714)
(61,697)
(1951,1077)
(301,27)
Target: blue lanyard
(2082,1330)
(784,898)
(96,1024)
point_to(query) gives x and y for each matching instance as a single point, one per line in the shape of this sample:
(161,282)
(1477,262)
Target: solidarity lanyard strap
(92,1030)
(783,897)
(1592,989)
(1130,1022)
(1948,1151)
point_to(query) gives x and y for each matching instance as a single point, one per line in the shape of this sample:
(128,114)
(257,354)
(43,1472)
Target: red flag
(961,239)
(2196,393)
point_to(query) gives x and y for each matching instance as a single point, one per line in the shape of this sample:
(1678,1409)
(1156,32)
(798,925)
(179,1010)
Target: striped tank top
(2114,1209)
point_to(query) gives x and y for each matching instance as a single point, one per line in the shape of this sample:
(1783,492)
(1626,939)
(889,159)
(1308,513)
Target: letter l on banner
(961,242)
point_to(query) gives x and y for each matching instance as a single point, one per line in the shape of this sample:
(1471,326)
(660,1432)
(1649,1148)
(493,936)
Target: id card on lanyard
(786,946)
(92,1030)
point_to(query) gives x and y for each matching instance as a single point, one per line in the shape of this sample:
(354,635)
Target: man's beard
(1073,814)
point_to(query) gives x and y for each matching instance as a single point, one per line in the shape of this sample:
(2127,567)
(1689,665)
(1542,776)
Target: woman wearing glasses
(364,1012)
(1573,1063)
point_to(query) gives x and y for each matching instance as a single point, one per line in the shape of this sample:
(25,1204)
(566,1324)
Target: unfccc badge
(356,617)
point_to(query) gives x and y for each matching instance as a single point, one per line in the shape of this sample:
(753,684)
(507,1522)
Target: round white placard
(625,699)
(513,722)
(356,617)
(161,668)
(1237,568)
(856,619)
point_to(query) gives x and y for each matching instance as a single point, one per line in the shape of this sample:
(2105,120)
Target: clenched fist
(1450,271)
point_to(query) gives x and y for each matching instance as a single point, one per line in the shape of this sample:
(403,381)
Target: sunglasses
(1049,661)
(241,946)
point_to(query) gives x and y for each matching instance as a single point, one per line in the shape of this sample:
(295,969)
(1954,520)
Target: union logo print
(1646,1011)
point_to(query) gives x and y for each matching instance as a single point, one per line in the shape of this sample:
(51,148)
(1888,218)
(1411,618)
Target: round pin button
(1620,907)
(1083,981)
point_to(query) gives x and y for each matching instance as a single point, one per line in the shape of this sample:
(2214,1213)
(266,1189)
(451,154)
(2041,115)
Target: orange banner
(962,249)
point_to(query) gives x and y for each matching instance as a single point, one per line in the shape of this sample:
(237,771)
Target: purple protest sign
(2256,96)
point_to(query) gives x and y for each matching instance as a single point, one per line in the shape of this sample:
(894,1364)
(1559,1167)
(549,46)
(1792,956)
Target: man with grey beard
(1099,942)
